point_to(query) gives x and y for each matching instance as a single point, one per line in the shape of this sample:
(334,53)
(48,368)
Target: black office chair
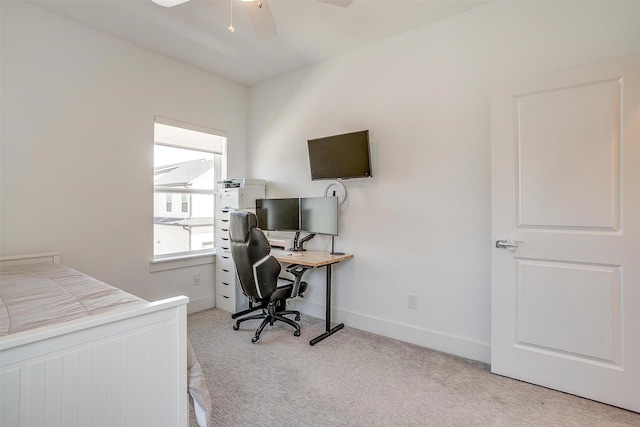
(258,274)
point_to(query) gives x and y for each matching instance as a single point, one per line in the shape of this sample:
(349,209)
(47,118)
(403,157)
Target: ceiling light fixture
(169,3)
(231,29)
(261,18)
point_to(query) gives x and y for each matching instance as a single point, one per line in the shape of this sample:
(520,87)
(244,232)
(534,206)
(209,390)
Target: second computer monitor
(319,215)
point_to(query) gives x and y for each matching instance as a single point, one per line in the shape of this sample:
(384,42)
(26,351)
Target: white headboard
(52,257)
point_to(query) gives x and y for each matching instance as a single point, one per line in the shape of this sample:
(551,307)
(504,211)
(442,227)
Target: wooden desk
(316,259)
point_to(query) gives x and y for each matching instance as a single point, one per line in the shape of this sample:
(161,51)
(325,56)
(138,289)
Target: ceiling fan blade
(261,19)
(169,3)
(341,3)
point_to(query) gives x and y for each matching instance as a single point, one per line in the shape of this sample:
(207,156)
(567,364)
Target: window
(188,162)
(185,203)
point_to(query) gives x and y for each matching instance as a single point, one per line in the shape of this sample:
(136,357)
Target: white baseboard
(200,304)
(446,343)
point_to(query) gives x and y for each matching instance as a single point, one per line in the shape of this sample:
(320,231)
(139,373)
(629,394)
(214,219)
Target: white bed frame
(121,368)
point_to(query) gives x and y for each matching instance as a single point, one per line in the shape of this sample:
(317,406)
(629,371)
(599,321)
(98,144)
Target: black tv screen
(340,156)
(278,214)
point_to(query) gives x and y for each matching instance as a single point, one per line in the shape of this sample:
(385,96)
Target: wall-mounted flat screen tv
(340,156)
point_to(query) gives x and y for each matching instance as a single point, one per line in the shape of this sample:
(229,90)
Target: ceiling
(308,31)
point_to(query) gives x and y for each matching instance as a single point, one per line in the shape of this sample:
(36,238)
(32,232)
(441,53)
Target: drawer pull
(225,283)
(226,271)
(224,296)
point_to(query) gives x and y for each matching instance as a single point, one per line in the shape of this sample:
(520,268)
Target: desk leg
(328,330)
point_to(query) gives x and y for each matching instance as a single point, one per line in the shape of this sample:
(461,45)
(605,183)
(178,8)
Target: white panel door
(566,198)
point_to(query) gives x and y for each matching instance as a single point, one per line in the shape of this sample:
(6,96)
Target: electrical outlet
(412,301)
(196,279)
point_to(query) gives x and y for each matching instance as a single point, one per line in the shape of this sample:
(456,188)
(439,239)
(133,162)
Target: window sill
(181,261)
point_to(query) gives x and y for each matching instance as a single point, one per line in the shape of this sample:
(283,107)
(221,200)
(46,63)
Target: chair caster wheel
(236,327)
(254,339)
(297,318)
(296,334)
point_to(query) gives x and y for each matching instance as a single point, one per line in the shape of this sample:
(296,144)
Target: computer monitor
(319,215)
(278,214)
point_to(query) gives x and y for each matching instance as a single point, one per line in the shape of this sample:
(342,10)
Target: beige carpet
(356,378)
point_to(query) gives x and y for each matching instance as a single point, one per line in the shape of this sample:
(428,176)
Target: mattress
(37,295)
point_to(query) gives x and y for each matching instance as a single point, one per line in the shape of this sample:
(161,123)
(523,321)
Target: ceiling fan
(259,14)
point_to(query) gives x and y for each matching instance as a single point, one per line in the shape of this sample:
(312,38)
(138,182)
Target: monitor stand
(333,252)
(298,245)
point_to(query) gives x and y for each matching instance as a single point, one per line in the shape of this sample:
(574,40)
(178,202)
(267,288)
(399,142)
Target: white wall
(423,222)
(77,146)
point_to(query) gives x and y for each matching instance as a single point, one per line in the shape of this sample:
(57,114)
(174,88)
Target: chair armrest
(297,270)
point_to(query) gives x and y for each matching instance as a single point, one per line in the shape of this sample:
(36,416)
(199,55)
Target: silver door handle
(505,244)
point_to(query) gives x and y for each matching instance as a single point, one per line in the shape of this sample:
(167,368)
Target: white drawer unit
(229,296)
(234,194)
(222,216)
(227,276)
(222,242)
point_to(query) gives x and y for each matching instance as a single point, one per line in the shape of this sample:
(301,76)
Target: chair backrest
(257,270)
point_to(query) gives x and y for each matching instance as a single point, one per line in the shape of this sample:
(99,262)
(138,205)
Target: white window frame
(219,175)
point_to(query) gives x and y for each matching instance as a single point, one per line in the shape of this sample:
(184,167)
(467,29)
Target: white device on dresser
(233,194)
